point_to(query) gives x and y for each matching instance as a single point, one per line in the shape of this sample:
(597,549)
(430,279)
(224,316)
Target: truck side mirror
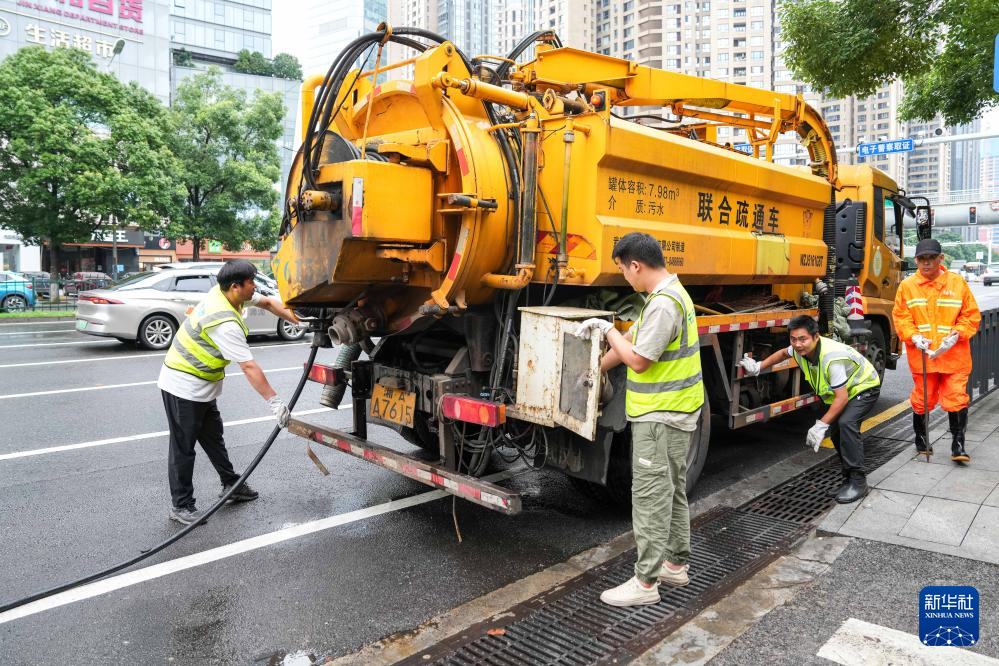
(924,222)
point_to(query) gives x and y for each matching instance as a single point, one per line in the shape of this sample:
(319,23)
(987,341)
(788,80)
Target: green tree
(942,50)
(183,58)
(230,164)
(286,66)
(253,62)
(79,149)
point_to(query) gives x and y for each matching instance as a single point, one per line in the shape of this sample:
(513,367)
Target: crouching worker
(846,381)
(663,400)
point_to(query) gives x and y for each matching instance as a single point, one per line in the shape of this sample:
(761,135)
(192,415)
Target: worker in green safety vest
(663,403)
(191,378)
(843,379)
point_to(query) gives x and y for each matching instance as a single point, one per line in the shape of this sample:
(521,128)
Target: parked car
(87,280)
(991,275)
(149,307)
(40,282)
(16,292)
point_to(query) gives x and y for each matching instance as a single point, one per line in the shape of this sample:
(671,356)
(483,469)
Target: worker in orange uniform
(936,314)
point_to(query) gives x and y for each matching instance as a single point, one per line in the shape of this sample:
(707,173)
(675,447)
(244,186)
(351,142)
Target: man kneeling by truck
(846,381)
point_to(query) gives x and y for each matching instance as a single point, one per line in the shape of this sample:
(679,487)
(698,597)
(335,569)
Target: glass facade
(221,28)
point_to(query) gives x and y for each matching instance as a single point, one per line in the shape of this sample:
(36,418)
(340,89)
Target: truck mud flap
(466,487)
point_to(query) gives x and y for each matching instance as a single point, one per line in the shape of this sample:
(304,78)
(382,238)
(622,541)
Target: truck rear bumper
(466,487)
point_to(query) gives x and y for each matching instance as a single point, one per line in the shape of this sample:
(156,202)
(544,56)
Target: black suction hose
(187,530)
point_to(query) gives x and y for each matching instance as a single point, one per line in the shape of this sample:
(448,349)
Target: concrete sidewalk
(941,506)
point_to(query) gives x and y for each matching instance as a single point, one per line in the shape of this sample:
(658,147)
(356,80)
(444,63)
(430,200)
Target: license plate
(391,404)
(81,324)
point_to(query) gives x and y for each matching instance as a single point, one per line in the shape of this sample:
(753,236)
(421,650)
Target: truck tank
(465,187)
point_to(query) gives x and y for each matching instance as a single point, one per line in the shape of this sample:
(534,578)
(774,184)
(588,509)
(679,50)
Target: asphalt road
(324,564)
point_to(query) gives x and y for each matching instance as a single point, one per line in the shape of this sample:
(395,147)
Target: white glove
(922,344)
(945,344)
(751,366)
(280,410)
(816,434)
(588,326)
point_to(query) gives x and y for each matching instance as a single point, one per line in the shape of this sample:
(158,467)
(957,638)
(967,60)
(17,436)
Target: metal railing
(35,293)
(985,356)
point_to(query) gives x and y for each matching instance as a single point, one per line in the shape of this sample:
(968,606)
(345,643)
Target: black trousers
(845,433)
(192,422)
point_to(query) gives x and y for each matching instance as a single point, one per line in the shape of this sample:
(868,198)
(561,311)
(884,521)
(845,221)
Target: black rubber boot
(923,447)
(958,423)
(842,486)
(855,489)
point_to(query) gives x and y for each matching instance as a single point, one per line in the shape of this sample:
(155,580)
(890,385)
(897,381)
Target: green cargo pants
(659,513)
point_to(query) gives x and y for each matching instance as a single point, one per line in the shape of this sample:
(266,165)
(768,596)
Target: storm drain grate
(805,498)
(570,626)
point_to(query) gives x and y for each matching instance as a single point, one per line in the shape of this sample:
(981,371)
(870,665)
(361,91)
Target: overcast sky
(286,21)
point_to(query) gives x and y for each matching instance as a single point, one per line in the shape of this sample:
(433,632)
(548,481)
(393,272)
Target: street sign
(886,147)
(972,215)
(995,206)
(744,147)
(995,66)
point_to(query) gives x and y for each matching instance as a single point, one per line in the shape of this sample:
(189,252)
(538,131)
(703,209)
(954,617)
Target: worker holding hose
(191,378)
(845,381)
(936,315)
(664,396)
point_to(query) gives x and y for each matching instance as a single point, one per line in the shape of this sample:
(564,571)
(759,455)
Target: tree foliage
(77,148)
(942,50)
(229,163)
(286,66)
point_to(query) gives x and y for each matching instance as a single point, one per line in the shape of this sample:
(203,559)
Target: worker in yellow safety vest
(663,403)
(845,381)
(191,379)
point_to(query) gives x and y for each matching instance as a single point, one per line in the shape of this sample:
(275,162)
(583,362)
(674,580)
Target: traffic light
(972,215)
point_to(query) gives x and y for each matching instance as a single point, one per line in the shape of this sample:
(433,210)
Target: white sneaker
(674,577)
(631,593)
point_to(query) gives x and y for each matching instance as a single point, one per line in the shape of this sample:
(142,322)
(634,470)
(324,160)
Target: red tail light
(470,410)
(100,300)
(29,286)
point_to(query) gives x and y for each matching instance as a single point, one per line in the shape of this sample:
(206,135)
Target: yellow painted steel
(721,217)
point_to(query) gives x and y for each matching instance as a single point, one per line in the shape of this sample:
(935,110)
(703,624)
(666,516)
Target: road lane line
(229,550)
(53,330)
(146,435)
(58,344)
(129,357)
(52,322)
(114,386)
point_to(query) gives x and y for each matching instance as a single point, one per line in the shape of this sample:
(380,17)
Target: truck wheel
(876,350)
(618,489)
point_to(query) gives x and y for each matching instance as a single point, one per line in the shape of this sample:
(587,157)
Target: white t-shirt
(837,371)
(229,338)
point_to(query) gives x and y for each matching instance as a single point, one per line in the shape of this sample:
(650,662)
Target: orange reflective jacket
(933,309)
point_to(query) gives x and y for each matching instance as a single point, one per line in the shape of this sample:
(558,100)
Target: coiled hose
(187,530)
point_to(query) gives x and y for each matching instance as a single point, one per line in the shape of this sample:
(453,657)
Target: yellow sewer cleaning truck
(452,218)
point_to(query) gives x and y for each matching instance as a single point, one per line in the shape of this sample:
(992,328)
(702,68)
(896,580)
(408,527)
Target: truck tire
(618,488)
(877,350)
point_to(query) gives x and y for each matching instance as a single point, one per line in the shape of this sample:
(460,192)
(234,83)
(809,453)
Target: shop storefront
(214,251)
(15,255)
(98,255)
(157,250)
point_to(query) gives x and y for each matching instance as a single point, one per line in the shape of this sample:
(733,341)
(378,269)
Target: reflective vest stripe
(925,327)
(195,334)
(949,302)
(194,360)
(663,387)
(674,382)
(915,301)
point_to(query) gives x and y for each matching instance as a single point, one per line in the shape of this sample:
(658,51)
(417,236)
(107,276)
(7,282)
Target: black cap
(928,246)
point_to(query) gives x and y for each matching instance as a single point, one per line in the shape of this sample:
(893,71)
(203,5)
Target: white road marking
(128,357)
(54,330)
(70,323)
(58,344)
(859,642)
(230,550)
(146,435)
(114,386)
